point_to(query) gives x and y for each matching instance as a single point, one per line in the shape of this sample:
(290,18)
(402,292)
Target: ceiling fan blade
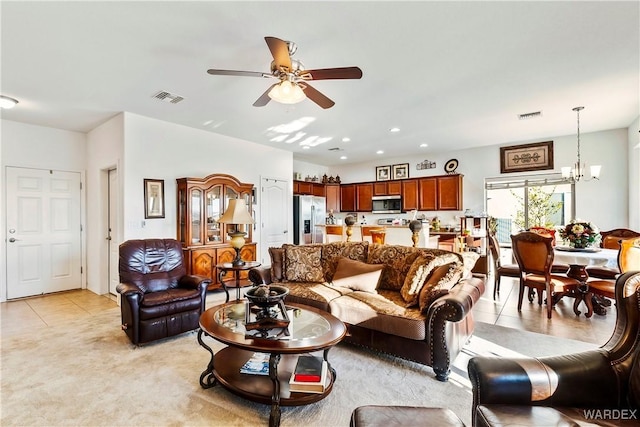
(264,98)
(280,52)
(332,73)
(317,97)
(238,73)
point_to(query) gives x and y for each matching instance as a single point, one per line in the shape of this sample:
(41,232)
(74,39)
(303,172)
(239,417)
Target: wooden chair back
(533,252)
(611,239)
(629,255)
(333,231)
(376,234)
(545,231)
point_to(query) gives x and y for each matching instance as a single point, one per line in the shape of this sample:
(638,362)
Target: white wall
(105,148)
(634,174)
(595,201)
(309,169)
(39,147)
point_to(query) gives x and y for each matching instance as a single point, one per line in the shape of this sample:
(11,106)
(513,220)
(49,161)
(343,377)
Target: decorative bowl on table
(266,295)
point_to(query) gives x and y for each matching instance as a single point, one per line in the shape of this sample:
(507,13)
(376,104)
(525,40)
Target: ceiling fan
(293,85)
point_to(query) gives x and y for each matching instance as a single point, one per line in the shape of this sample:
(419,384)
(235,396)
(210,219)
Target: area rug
(86,373)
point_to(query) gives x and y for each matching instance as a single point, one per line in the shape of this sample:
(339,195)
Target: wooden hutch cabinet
(201,202)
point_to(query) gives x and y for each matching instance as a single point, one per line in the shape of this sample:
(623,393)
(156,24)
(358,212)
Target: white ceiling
(452,75)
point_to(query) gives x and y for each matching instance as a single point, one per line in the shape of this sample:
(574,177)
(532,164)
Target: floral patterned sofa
(414,303)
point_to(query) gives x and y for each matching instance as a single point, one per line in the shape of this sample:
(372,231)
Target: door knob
(12,239)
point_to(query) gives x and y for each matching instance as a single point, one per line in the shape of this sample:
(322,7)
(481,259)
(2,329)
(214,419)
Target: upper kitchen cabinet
(332,192)
(307,188)
(364,195)
(436,193)
(391,188)
(348,197)
(450,193)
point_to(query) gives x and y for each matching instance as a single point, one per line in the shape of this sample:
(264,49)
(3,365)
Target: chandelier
(577,172)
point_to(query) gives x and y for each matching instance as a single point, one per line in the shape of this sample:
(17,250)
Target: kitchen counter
(395,234)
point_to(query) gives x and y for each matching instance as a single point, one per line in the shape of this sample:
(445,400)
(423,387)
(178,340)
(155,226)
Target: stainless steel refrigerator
(308,212)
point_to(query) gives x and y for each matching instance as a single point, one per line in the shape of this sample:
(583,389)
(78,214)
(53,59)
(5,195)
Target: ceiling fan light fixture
(7,102)
(287,93)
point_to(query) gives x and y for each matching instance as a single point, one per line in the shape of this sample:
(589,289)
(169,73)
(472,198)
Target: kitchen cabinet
(391,188)
(347,198)
(450,193)
(364,194)
(308,188)
(200,203)
(436,193)
(332,192)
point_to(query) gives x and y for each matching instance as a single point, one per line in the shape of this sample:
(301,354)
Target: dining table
(601,257)
(578,259)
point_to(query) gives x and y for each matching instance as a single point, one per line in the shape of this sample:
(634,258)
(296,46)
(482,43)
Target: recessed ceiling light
(305,147)
(394,130)
(424,145)
(379,152)
(345,139)
(7,103)
(343,157)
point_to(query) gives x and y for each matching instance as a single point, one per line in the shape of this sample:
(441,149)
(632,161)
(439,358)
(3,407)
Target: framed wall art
(153,198)
(400,171)
(526,157)
(383,173)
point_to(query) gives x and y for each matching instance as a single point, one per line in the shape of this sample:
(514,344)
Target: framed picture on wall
(401,171)
(383,173)
(153,198)
(526,157)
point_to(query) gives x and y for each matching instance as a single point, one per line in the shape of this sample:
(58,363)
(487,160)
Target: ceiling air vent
(533,115)
(168,97)
(336,149)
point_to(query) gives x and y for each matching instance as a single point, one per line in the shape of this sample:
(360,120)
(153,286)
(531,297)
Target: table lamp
(236,214)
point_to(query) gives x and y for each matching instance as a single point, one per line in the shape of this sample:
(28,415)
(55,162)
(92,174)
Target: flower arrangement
(580,234)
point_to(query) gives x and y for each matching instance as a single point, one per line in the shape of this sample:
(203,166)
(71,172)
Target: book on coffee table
(308,369)
(310,386)
(258,364)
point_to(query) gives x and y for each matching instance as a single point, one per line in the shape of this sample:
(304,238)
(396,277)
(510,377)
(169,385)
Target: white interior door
(275,212)
(113,232)
(44,249)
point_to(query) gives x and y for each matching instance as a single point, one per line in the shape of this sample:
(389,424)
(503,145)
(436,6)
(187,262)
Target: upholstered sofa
(598,387)
(414,303)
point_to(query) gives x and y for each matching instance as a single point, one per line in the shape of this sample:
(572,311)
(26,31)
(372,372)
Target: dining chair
(373,234)
(499,269)
(557,267)
(611,239)
(534,254)
(628,260)
(334,233)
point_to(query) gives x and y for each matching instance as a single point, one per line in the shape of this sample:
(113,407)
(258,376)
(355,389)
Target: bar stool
(333,231)
(378,236)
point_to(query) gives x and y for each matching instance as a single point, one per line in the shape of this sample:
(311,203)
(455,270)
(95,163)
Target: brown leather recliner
(158,299)
(601,386)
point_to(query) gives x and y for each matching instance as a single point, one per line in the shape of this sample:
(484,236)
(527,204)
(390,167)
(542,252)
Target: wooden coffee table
(311,330)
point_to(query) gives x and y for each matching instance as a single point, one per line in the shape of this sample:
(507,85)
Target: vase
(580,244)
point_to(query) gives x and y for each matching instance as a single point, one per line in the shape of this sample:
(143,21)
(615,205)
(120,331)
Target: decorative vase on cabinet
(200,203)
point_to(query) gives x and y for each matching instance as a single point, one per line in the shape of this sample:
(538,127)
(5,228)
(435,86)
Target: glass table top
(303,324)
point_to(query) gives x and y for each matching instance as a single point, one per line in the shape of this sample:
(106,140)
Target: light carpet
(87,373)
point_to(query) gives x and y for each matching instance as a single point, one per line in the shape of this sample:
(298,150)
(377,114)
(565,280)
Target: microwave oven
(386,204)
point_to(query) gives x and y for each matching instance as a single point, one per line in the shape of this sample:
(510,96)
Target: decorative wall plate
(451,166)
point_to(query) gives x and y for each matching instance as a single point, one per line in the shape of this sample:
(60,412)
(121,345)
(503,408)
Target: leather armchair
(568,389)
(158,299)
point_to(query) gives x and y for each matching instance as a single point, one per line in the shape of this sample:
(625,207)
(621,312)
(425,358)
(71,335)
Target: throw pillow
(357,275)
(302,263)
(277,263)
(442,279)
(418,273)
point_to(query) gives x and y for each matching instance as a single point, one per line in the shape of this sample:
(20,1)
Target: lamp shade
(287,93)
(236,213)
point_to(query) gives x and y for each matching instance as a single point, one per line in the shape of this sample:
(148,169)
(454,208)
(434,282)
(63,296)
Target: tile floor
(41,311)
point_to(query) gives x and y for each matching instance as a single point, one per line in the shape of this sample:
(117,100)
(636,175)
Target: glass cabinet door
(196,204)
(213,203)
